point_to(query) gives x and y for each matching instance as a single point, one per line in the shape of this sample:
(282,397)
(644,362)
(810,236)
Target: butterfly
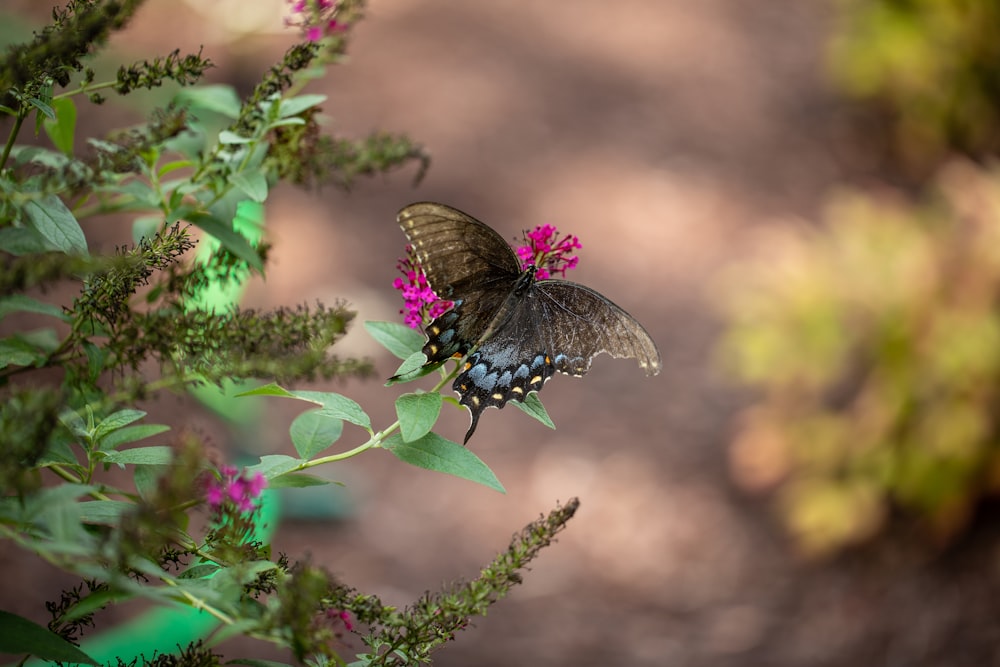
(514,331)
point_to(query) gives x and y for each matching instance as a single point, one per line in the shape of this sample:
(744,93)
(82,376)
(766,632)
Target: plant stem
(18,120)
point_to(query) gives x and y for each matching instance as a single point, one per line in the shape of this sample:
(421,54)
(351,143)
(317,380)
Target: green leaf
(229,137)
(96,358)
(116,420)
(414,367)
(314,431)
(62,128)
(417,414)
(251,183)
(296,480)
(15,351)
(104,512)
(333,405)
(432,452)
(295,105)
(21,636)
(62,520)
(147,479)
(157,455)
(44,108)
(56,224)
(218,98)
(128,434)
(338,406)
(399,339)
(533,407)
(22,241)
(274,465)
(199,571)
(173,166)
(230,238)
(20,303)
(271,389)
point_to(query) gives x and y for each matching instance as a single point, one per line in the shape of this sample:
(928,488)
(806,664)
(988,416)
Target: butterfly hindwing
(516,332)
(580,323)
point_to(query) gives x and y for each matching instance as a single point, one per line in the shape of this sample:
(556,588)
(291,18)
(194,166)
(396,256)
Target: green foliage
(931,65)
(73,370)
(875,343)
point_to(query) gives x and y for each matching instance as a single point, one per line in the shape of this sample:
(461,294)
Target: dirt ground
(663,134)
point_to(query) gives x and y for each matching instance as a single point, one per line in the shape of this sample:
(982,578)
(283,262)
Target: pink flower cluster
(421,303)
(550,255)
(316,18)
(242,490)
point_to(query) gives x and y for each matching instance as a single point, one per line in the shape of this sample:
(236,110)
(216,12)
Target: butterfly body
(515,331)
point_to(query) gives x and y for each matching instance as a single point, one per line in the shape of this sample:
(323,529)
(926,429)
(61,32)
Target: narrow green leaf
(59,451)
(104,512)
(199,571)
(230,238)
(157,455)
(295,105)
(18,635)
(128,434)
(251,183)
(116,420)
(15,351)
(44,108)
(399,339)
(417,414)
(286,121)
(432,452)
(62,128)
(271,389)
(56,224)
(313,431)
(296,480)
(229,137)
(173,166)
(533,407)
(72,420)
(20,303)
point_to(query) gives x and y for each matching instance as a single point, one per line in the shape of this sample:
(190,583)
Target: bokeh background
(694,148)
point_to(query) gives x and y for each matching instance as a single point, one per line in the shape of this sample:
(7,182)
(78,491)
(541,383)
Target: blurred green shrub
(875,343)
(934,67)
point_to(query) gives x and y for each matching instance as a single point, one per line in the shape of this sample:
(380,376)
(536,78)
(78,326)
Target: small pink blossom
(543,249)
(421,303)
(241,490)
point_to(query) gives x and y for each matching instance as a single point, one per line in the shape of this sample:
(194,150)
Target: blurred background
(791,197)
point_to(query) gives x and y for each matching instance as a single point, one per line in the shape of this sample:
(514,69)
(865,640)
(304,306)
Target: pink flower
(421,303)
(544,250)
(239,491)
(315,18)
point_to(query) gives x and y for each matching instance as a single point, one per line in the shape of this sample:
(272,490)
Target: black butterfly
(519,330)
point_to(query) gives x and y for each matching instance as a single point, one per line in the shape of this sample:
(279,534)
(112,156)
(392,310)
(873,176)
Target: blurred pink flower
(242,490)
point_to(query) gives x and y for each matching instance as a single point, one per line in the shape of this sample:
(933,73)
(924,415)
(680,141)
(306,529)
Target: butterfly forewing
(519,331)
